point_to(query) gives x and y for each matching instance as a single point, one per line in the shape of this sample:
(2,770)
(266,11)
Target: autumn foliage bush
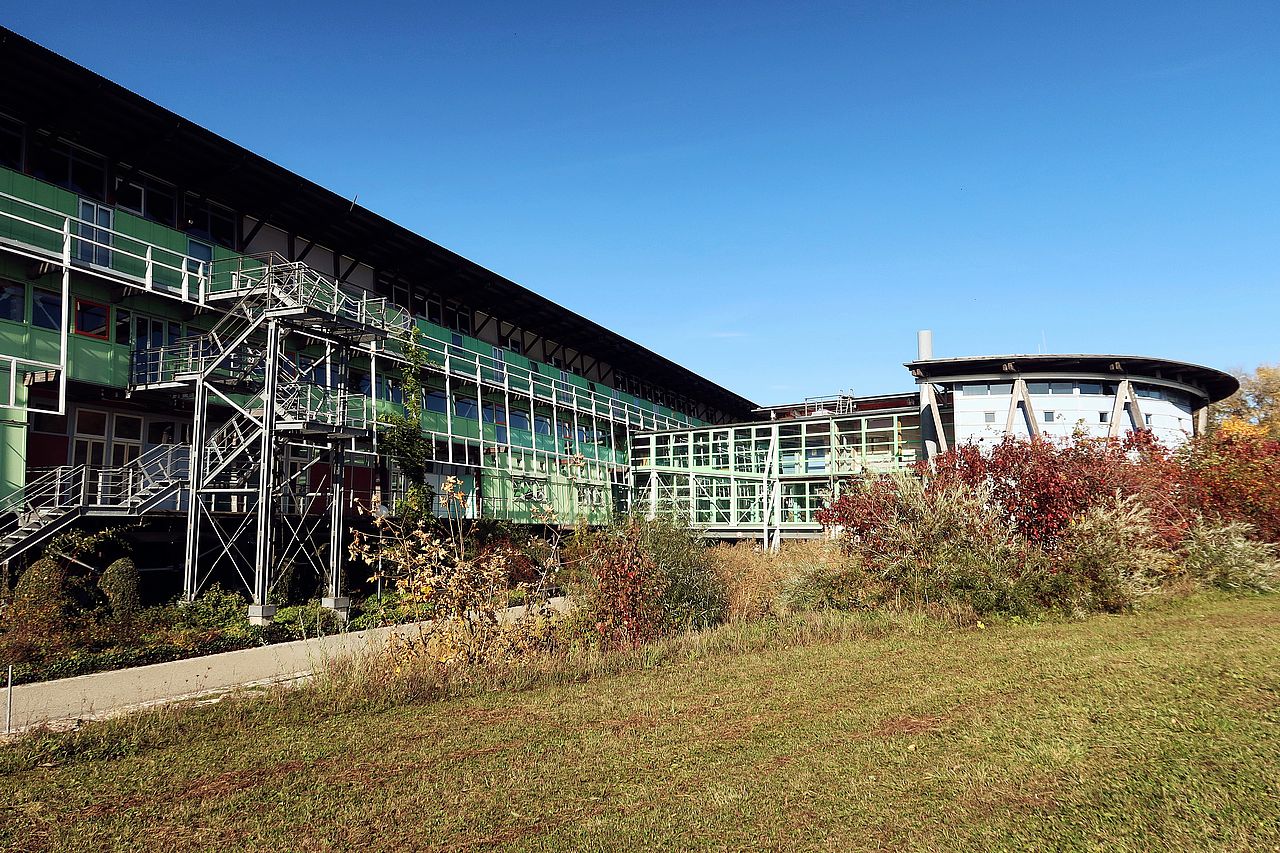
(642,578)
(1091,524)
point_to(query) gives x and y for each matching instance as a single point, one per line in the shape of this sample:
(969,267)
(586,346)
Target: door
(89,448)
(126,440)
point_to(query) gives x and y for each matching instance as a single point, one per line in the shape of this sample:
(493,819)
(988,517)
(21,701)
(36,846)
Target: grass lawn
(1152,731)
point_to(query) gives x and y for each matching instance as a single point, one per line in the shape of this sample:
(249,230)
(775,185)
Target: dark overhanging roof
(1217,384)
(83,107)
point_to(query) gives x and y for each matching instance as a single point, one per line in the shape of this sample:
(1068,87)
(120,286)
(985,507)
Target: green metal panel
(13,443)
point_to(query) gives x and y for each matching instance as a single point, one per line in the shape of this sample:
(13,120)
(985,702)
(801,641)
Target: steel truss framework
(767,480)
(262,424)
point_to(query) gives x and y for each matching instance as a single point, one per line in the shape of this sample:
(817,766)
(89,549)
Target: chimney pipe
(924,345)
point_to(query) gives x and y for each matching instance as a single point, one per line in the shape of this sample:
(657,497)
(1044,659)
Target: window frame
(77,302)
(36,293)
(20,290)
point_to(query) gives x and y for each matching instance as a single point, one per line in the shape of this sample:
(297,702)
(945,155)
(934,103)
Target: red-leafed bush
(1235,479)
(1043,484)
(626,589)
(1085,525)
(642,578)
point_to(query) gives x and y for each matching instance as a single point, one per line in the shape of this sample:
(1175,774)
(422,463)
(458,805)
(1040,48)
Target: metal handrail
(119,249)
(247,277)
(50,496)
(160,467)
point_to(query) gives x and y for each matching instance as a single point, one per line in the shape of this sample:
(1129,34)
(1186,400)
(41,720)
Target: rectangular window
(147,198)
(124,325)
(1001,389)
(160,205)
(1104,417)
(1037,387)
(129,196)
(519,420)
(53,424)
(437,402)
(1061,388)
(1091,389)
(989,417)
(91,319)
(465,407)
(457,318)
(210,221)
(161,432)
(222,226)
(88,174)
(13,301)
(59,163)
(1147,419)
(1048,417)
(542,424)
(46,309)
(94,243)
(359,381)
(199,257)
(128,428)
(512,341)
(91,422)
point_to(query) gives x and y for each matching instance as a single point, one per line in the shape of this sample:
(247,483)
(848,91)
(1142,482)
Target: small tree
(1256,405)
(446,579)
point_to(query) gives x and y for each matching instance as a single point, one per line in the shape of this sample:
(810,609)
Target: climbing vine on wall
(403,437)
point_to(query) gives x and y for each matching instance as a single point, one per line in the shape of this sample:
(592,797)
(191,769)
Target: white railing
(98,248)
(110,253)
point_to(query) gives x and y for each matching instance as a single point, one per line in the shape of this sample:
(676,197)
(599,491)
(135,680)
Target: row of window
(996,389)
(86,174)
(1089,389)
(1051,417)
(88,318)
(90,175)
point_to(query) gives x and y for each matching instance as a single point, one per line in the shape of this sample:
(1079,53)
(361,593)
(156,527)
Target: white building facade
(981,400)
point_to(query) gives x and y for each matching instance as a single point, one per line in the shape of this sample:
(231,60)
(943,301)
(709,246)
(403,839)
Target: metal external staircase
(256,414)
(52,501)
(261,423)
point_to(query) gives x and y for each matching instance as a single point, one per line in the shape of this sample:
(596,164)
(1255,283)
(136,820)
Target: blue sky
(777,195)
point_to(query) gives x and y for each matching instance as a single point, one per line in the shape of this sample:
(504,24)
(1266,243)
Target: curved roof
(1216,384)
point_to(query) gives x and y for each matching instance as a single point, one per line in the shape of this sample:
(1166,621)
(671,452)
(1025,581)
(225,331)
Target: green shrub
(372,613)
(621,598)
(694,595)
(215,609)
(829,585)
(1227,557)
(1108,559)
(945,544)
(640,579)
(120,584)
(39,609)
(300,621)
